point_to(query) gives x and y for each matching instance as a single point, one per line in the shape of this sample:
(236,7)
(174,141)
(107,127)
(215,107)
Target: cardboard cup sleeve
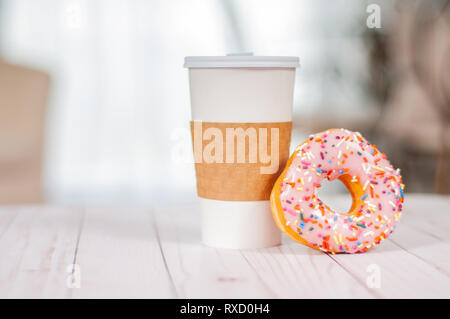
(239,161)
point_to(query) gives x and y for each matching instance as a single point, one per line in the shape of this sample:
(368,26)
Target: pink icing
(331,154)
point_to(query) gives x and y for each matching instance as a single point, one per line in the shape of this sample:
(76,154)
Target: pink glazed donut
(376,188)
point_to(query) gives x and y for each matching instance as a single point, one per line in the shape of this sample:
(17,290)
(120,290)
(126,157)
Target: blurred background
(94,101)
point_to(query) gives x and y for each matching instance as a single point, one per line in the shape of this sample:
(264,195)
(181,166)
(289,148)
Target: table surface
(156,252)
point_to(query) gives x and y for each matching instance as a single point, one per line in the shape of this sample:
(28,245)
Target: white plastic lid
(241,61)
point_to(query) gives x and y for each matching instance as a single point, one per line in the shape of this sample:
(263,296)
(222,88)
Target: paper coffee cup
(241,125)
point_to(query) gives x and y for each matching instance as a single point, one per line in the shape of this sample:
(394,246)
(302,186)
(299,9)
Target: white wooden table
(156,253)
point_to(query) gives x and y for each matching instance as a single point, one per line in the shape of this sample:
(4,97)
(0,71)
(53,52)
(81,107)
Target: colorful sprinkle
(369,223)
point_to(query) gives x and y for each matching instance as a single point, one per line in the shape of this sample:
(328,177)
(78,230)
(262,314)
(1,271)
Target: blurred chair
(23,96)
(416,121)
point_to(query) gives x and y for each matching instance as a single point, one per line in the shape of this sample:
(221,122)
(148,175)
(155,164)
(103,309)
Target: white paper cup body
(240,95)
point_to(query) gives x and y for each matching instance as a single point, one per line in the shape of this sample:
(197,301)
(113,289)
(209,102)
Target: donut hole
(331,195)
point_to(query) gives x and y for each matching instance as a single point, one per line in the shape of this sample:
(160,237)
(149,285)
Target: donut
(375,186)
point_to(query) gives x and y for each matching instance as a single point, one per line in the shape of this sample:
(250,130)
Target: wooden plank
(402,275)
(297,271)
(119,256)
(428,214)
(36,249)
(422,205)
(7,214)
(425,246)
(435,227)
(414,262)
(424,228)
(199,271)
(409,263)
(122,252)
